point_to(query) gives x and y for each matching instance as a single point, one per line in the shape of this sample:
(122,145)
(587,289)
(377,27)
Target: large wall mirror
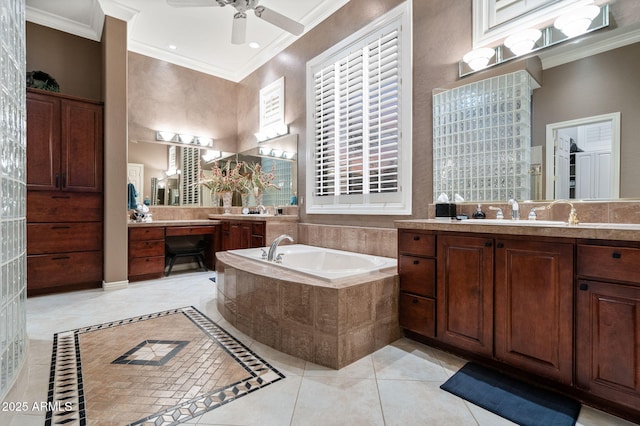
(583,133)
(166,174)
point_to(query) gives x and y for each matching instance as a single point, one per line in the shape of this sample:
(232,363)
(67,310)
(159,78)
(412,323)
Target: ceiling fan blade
(239,29)
(279,20)
(193,3)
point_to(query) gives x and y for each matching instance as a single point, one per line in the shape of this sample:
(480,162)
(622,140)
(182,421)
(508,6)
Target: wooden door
(465,293)
(43,142)
(534,307)
(81,146)
(608,341)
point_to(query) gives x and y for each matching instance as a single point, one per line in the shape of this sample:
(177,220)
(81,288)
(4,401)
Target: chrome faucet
(573,215)
(499,214)
(274,246)
(261,209)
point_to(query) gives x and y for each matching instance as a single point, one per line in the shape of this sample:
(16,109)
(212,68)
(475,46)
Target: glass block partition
(482,139)
(13,289)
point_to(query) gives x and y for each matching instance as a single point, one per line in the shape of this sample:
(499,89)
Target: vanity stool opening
(181,248)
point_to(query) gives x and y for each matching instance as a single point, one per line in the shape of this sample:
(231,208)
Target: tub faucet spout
(274,246)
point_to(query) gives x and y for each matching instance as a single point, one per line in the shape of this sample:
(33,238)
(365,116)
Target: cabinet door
(81,146)
(465,293)
(43,142)
(534,307)
(608,341)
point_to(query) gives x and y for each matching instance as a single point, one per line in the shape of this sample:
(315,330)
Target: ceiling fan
(239,29)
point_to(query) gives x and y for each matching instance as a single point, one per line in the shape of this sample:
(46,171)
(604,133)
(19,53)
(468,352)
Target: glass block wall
(13,289)
(482,139)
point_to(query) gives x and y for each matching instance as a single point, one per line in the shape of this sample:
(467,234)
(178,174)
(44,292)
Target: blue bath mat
(512,399)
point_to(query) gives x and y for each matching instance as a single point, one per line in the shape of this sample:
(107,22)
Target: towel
(131,197)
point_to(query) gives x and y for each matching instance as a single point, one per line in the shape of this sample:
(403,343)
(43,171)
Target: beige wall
(164,96)
(75,62)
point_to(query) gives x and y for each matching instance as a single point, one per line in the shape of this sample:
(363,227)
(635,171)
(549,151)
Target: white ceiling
(202,35)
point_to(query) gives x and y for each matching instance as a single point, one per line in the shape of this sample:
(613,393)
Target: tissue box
(445,210)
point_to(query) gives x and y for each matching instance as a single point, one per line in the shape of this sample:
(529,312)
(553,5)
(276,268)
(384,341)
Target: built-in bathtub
(326,264)
(329,307)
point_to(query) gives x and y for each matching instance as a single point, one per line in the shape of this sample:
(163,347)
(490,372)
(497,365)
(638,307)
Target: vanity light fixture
(479,58)
(165,136)
(271,132)
(185,138)
(202,141)
(576,22)
(580,21)
(211,155)
(523,42)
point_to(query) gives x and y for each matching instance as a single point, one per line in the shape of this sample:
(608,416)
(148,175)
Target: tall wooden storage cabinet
(64,192)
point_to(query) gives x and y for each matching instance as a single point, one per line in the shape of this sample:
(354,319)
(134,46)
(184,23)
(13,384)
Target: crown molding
(91,31)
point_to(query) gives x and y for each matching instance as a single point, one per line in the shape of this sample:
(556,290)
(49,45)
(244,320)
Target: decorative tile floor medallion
(157,369)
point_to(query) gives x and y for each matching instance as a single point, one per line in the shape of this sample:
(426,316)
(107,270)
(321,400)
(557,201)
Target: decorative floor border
(66,393)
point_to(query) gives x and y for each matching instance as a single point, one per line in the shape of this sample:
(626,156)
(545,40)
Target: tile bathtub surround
(13,342)
(329,324)
(183,366)
(367,240)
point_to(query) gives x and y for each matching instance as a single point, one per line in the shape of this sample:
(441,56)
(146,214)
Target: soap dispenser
(479,214)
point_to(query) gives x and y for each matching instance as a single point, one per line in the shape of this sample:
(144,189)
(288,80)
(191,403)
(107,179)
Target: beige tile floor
(397,385)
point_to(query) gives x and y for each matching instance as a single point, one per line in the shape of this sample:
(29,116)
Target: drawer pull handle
(416,262)
(416,238)
(616,255)
(487,244)
(60,227)
(415,301)
(584,287)
(61,258)
(500,245)
(61,196)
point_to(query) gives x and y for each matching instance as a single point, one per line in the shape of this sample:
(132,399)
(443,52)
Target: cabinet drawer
(146,233)
(174,231)
(417,275)
(146,265)
(608,262)
(58,206)
(54,270)
(416,242)
(146,248)
(63,237)
(417,314)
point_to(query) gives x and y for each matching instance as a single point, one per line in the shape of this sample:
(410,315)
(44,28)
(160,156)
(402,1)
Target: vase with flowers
(224,181)
(260,181)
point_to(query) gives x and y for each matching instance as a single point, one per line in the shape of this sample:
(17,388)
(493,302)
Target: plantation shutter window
(356,125)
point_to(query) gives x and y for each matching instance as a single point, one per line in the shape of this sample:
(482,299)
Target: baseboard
(116,285)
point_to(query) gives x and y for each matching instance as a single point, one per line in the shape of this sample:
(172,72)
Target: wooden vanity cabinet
(240,234)
(465,292)
(64,192)
(533,306)
(146,253)
(417,271)
(608,322)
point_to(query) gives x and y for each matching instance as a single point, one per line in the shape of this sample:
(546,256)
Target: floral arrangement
(225,179)
(260,180)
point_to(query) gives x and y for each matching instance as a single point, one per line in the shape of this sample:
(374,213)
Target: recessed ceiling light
(173,47)
(254,45)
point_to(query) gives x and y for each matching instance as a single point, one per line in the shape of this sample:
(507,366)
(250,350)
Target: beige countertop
(255,217)
(602,231)
(188,222)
